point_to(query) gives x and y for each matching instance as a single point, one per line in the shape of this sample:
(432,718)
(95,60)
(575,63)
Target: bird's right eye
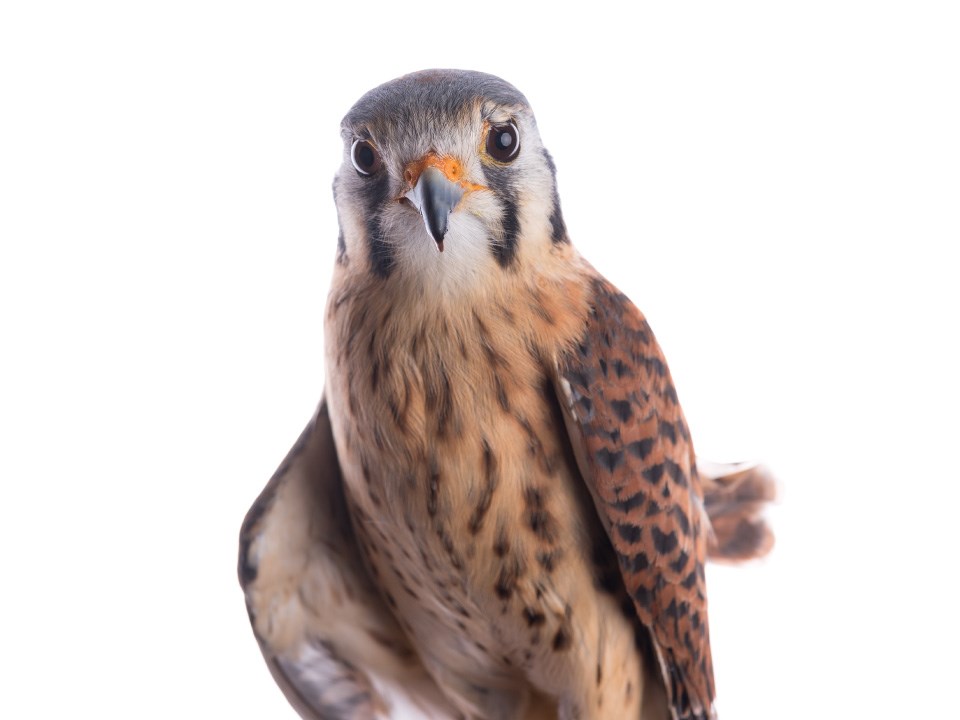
(365,157)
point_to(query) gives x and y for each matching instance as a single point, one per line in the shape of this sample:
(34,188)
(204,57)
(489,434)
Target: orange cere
(448,165)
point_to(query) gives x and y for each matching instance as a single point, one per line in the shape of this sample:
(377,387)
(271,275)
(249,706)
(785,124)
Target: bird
(496,510)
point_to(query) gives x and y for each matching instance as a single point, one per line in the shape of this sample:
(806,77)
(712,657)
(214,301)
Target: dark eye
(365,157)
(503,142)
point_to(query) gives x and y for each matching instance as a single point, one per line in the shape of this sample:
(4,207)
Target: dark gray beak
(435,197)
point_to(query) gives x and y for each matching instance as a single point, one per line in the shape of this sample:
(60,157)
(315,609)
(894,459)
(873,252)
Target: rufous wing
(634,451)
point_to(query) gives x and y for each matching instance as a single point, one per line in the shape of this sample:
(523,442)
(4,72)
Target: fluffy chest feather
(454,458)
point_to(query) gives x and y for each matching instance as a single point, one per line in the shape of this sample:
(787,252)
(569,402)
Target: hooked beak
(435,196)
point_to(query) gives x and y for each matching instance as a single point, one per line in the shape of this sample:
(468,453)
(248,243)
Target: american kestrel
(496,511)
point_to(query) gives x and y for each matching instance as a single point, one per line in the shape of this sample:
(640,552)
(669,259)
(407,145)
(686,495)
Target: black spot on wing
(664,543)
(609,460)
(628,504)
(629,532)
(641,448)
(634,563)
(622,409)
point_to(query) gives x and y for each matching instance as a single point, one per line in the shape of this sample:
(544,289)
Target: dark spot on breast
(398,411)
(534,618)
(510,572)
(501,393)
(540,521)
(433,491)
(561,640)
(486,494)
(539,309)
(506,313)
(501,545)
(445,405)
(548,559)
(462,610)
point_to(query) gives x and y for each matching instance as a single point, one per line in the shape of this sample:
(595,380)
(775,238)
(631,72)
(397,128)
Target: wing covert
(328,638)
(635,454)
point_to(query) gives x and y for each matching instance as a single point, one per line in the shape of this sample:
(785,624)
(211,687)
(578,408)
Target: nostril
(451,168)
(408,176)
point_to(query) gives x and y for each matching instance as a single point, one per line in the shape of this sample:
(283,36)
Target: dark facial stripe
(558,228)
(504,248)
(341,243)
(376,195)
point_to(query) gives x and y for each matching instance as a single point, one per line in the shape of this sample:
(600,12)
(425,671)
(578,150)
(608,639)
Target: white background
(777,185)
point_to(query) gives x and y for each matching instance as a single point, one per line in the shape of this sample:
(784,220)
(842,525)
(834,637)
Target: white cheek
(352,225)
(465,254)
(535,210)
(466,247)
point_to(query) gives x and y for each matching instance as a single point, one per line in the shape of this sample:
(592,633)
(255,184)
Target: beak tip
(435,196)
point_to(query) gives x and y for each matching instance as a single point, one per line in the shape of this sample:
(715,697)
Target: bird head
(444,180)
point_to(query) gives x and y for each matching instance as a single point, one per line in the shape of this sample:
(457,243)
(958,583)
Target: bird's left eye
(503,142)
(365,157)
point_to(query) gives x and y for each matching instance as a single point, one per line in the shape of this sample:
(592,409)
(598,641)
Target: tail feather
(735,497)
